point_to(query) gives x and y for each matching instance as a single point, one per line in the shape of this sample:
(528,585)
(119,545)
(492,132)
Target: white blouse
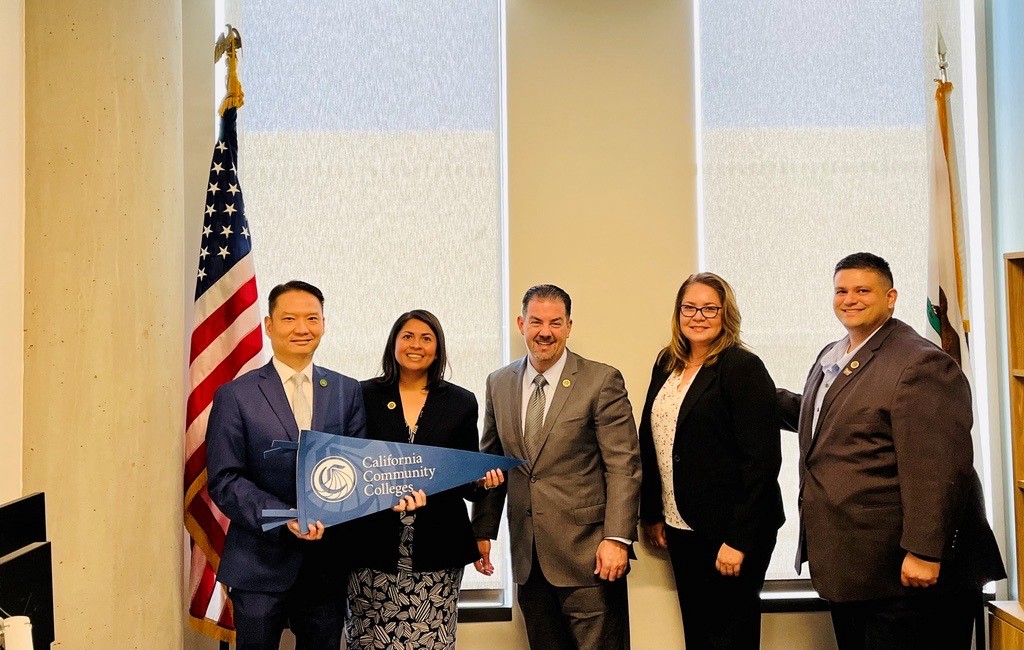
(664,415)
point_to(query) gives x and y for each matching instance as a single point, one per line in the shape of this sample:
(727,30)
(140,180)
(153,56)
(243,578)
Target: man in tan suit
(892,518)
(573,507)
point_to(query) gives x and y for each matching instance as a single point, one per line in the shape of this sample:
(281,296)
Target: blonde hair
(676,355)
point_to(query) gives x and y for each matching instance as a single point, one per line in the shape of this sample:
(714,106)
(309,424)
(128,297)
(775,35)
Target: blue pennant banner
(339,478)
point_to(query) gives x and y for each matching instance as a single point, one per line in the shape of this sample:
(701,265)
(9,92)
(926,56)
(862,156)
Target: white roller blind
(813,146)
(370,167)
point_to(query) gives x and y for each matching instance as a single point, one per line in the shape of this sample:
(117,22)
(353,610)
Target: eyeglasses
(708,311)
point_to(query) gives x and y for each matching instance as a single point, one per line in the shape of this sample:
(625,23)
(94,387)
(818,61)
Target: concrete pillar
(103,323)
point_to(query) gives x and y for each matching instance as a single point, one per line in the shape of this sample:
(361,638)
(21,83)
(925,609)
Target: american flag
(226,342)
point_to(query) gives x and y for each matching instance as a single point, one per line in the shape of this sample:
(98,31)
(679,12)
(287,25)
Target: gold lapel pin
(855,364)
(391,406)
(566,383)
(323,383)
(847,372)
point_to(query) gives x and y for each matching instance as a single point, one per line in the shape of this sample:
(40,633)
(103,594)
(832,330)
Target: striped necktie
(534,417)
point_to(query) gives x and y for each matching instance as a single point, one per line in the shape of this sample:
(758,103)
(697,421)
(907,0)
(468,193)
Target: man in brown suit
(573,507)
(892,519)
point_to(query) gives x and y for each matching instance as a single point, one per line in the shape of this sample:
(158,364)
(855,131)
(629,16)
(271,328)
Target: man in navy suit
(283,576)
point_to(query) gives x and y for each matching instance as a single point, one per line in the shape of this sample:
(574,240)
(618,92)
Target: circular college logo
(333,479)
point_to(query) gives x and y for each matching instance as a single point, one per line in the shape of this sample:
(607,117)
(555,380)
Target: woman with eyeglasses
(709,443)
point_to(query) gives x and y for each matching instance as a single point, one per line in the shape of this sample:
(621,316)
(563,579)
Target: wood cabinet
(1007,618)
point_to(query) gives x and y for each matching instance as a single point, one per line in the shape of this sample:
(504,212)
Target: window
(370,151)
(813,144)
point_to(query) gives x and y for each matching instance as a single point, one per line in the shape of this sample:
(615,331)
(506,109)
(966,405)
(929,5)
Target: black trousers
(567,618)
(935,617)
(314,609)
(718,611)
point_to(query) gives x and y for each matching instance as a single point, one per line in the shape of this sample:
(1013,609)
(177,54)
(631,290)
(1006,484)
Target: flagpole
(950,314)
(229,43)
(227,340)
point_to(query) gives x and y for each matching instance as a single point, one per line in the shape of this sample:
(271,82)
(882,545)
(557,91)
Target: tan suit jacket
(889,469)
(584,484)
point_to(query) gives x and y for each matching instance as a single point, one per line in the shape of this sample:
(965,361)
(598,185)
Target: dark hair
(867,261)
(676,355)
(389,366)
(547,292)
(293,285)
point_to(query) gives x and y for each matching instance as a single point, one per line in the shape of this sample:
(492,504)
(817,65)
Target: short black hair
(293,285)
(547,292)
(868,261)
(390,368)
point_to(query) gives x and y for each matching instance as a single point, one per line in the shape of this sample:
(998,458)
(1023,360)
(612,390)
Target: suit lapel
(273,390)
(516,390)
(398,429)
(321,398)
(849,374)
(701,382)
(566,382)
(807,435)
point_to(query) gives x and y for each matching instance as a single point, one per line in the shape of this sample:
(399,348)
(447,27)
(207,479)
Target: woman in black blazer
(709,443)
(406,588)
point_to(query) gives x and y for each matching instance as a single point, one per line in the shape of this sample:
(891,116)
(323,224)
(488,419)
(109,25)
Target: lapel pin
(323,383)
(855,364)
(391,406)
(847,372)
(566,383)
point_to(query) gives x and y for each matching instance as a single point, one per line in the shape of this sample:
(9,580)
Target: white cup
(16,633)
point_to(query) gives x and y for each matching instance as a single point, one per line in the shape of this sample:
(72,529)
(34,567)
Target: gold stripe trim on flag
(211,629)
(197,532)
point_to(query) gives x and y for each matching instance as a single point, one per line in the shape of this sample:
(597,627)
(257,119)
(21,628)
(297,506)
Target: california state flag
(947,271)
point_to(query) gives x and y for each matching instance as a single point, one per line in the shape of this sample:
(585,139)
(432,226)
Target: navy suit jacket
(247,415)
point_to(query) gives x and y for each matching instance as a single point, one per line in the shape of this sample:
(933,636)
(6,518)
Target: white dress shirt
(286,373)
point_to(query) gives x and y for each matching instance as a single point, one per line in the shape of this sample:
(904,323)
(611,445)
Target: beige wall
(602,201)
(12,237)
(103,324)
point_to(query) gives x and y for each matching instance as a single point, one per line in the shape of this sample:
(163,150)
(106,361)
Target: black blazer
(726,454)
(442,535)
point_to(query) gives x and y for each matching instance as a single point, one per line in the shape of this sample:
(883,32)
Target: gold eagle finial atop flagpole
(229,43)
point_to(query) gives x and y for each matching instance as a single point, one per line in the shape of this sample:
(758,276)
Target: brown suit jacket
(585,482)
(888,470)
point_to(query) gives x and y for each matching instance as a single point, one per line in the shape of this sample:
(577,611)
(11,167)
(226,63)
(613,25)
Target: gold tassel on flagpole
(229,43)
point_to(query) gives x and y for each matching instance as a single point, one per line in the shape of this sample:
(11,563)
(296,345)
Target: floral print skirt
(406,609)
